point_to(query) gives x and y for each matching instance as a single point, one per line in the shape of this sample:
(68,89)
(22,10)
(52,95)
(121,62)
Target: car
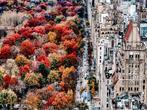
(120,105)
(75,109)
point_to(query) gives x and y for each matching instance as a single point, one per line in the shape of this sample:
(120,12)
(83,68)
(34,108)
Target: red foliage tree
(11,39)
(43,59)
(35,21)
(13,80)
(7,78)
(37,43)
(70,56)
(39,29)
(58,28)
(48,27)
(69,59)
(5,52)
(24,69)
(66,31)
(27,48)
(26,32)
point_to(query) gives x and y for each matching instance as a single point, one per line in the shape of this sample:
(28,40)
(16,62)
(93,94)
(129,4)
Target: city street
(83,71)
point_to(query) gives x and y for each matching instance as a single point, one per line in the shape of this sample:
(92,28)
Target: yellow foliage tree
(54,56)
(52,36)
(32,101)
(53,76)
(66,71)
(93,88)
(21,60)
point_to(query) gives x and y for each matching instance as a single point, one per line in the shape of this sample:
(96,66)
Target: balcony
(134,60)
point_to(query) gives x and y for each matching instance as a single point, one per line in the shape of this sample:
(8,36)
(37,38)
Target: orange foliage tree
(61,100)
(50,47)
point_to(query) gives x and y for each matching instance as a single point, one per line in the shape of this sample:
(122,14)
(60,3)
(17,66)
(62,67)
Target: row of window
(130,82)
(131,88)
(113,32)
(137,56)
(133,65)
(133,71)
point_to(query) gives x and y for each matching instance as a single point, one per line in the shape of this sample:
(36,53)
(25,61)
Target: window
(100,48)
(131,82)
(123,71)
(137,89)
(143,81)
(143,16)
(122,88)
(137,66)
(143,87)
(129,46)
(136,82)
(117,70)
(137,56)
(107,83)
(123,82)
(129,89)
(130,76)
(130,56)
(134,88)
(107,100)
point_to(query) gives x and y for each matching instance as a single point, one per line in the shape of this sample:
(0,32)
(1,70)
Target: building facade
(131,65)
